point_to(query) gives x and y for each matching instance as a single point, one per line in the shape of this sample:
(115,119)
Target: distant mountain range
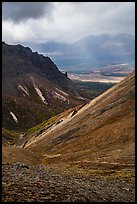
(90,52)
(33,88)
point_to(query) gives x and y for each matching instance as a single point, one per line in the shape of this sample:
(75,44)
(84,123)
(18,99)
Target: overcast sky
(40,22)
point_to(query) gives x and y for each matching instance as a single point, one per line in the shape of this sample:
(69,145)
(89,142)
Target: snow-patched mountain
(33,88)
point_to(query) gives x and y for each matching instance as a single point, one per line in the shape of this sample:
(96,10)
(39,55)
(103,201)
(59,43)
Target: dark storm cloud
(18,11)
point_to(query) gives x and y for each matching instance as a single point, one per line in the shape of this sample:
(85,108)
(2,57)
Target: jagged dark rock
(21,60)
(33,88)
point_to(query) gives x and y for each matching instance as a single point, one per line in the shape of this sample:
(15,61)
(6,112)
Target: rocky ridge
(33,88)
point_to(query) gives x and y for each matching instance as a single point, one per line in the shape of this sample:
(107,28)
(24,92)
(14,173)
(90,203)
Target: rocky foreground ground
(66,183)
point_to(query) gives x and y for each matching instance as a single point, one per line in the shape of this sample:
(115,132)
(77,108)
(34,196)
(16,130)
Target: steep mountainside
(18,60)
(33,89)
(101,131)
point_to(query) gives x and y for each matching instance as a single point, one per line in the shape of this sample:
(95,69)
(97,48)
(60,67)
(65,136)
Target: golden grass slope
(101,131)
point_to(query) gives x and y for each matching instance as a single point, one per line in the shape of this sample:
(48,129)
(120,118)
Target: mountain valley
(86,153)
(68,102)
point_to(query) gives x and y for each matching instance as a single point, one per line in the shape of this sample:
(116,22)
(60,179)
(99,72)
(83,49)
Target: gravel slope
(50,183)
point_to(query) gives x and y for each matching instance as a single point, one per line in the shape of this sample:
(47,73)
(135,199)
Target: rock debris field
(68,183)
